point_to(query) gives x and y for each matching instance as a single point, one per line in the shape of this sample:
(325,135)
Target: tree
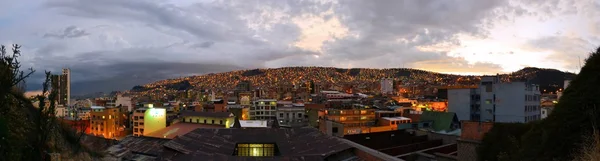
(27,132)
(562,134)
(573,118)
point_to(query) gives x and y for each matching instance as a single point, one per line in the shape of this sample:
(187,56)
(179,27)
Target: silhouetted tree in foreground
(569,129)
(27,132)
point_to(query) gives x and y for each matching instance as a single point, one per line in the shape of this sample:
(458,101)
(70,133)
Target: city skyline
(108,42)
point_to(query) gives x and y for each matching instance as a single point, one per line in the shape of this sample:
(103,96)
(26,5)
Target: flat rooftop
(179,129)
(252,123)
(396,118)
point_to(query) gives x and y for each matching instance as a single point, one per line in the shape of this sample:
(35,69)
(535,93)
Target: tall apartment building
(387,85)
(107,122)
(263,109)
(496,101)
(148,120)
(62,83)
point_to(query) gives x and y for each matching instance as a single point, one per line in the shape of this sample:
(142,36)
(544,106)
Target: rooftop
(396,118)
(206,114)
(220,144)
(141,148)
(179,129)
(98,107)
(253,123)
(266,100)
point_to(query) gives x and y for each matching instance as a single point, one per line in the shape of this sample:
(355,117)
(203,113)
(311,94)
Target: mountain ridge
(548,79)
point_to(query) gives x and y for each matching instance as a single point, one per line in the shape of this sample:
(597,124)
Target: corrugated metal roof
(219,144)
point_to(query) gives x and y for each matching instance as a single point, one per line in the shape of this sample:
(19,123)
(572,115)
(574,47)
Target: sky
(116,44)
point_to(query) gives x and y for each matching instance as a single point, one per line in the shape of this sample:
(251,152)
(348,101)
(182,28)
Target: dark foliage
(183,85)
(563,133)
(354,72)
(253,72)
(549,79)
(502,142)
(26,132)
(574,117)
(138,88)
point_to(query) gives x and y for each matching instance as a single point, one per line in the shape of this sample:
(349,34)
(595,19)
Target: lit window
(255,150)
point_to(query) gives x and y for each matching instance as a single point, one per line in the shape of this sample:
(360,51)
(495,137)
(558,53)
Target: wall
(446,139)
(467,150)
(459,102)
(154,120)
(125,102)
(209,120)
(379,129)
(366,156)
(475,130)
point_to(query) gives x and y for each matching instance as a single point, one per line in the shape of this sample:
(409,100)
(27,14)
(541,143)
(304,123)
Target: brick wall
(475,131)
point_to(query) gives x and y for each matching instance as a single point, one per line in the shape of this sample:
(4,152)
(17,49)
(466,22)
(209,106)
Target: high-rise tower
(62,83)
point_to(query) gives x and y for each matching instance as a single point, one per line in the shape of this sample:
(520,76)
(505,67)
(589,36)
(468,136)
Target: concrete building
(241,112)
(387,85)
(496,101)
(83,113)
(124,102)
(263,109)
(148,120)
(341,122)
(224,119)
(63,85)
(61,111)
(106,122)
(292,115)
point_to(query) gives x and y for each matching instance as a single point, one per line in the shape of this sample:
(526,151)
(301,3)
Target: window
(213,121)
(299,115)
(190,120)
(204,120)
(334,130)
(255,150)
(221,122)
(543,112)
(281,115)
(197,120)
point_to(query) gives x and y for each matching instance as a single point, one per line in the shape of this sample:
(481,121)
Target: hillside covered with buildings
(409,82)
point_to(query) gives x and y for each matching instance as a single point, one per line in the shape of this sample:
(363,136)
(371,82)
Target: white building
(559,93)
(496,101)
(61,111)
(545,112)
(83,113)
(148,120)
(263,109)
(292,115)
(124,102)
(387,85)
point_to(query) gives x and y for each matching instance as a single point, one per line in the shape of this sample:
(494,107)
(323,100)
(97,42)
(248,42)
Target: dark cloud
(69,32)
(124,75)
(130,42)
(204,44)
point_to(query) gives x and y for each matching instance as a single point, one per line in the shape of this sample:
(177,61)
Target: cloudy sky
(115,44)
